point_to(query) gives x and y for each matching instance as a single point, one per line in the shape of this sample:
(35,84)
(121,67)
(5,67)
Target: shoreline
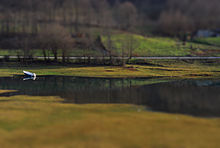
(150,69)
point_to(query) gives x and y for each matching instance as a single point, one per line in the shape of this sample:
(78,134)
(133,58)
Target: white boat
(31,75)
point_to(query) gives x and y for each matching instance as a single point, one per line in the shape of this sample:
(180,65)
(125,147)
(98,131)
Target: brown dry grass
(47,123)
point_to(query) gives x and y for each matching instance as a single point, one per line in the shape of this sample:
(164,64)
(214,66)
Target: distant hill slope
(124,42)
(158,46)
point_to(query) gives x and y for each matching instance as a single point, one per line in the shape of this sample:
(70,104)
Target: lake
(192,97)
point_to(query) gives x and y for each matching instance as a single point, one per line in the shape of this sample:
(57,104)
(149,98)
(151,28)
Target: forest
(63,25)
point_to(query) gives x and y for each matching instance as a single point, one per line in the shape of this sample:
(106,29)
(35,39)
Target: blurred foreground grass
(35,122)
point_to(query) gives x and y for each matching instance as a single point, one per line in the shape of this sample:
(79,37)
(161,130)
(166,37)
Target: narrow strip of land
(140,58)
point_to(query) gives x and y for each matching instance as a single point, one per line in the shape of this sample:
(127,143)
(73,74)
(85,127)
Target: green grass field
(143,46)
(158,46)
(46,122)
(210,41)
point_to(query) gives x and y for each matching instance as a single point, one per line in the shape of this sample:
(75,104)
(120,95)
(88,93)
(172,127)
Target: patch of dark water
(192,97)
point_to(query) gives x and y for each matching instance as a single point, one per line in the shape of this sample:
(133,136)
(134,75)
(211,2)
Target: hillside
(137,45)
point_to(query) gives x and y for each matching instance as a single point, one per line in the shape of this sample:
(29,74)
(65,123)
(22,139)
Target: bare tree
(131,44)
(187,16)
(53,38)
(109,43)
(126,15)
(76,22)
(175,24)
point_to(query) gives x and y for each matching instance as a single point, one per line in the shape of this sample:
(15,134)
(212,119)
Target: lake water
(192,97)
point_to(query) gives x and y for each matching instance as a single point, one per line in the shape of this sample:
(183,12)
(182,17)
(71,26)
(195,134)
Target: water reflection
(194,97)
(29,78)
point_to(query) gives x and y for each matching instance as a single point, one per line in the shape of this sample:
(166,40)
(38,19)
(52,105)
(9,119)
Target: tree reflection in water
(193,97)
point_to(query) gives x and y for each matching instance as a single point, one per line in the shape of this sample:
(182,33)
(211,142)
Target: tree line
(186,17)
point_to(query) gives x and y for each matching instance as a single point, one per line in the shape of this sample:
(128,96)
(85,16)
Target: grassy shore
(150,68)
(46,122)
